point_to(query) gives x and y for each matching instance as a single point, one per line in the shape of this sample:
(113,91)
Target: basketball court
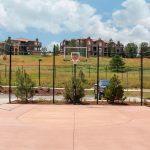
(68,127)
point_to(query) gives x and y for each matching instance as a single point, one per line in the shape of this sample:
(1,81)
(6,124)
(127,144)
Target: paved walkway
(4,98)
(68,127)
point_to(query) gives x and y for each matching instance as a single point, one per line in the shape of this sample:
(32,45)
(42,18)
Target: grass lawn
(64,70)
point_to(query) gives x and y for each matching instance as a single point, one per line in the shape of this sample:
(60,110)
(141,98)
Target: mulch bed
(104,103)
(38,91)
(48,92)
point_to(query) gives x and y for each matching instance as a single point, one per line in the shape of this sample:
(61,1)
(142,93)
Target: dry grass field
(64,69)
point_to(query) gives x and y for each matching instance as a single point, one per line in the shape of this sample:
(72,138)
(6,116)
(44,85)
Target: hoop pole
(74,98)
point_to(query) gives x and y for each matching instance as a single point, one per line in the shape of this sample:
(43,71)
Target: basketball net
(75,57)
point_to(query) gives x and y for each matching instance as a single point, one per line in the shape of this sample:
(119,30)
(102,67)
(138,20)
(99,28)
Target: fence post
(0,77)
(122,73)
(10,65)
(22,68)
(5,71)
(54,75)
(106,71)
(89,71)
(97,74)
(40,72)
(141,77)
(127,80)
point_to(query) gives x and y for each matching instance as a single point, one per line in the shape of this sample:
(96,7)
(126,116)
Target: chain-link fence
(130,79)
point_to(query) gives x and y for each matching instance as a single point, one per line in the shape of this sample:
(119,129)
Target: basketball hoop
(75,57)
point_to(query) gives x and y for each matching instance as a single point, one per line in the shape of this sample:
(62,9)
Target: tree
(24,86)
(117,64)
(57,49)
(44,51)
(111,48)
(69,91)
(71,43)
(131,50)
(145,49)
(120,47)
(114,91)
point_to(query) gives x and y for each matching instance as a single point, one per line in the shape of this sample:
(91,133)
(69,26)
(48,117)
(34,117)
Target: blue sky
(54,20)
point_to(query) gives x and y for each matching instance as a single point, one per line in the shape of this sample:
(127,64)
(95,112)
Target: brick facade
(92,45)
(21,46)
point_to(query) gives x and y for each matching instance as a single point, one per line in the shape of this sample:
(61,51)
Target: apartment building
(21,46)
(106,48)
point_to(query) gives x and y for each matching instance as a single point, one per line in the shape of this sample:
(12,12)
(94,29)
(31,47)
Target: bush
(24,86)
(114,91)
(69,91)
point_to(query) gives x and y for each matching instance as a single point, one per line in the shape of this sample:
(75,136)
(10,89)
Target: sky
(52,21)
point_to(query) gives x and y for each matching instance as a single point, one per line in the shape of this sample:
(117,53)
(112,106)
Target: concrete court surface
(68,127)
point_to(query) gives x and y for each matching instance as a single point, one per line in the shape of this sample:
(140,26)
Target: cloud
(51,45)
(133,21)
(49,15)
(132,14)
(130,23)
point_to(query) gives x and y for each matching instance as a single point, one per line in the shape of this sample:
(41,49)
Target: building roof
(22,40)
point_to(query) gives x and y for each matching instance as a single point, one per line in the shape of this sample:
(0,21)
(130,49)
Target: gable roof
(22,40)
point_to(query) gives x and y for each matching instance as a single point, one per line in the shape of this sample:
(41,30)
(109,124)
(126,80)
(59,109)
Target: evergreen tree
(69,91)
(117,64)
(114,91)
(24,86)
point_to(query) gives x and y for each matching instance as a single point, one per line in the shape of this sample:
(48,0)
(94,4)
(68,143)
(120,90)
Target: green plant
(131,50)
(117,64)
(70,89)
(24,86)
(111,48)
(44,51)
(145,49)
(114,91)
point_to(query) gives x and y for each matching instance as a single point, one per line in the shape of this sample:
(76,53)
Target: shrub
(114,91)
(24,86)
(69,91)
